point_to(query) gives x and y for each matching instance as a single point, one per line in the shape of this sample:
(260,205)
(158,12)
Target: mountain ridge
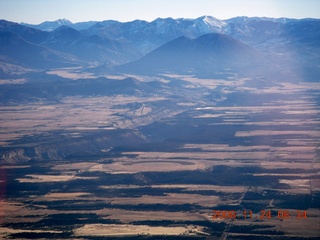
(27,54)
(49,26)
(110,43)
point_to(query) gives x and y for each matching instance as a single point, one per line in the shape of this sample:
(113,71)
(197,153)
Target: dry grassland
(78,114)
(74,114)
(15,212)
(209,83)
(226,147)
(273,133)
(297,183)
(4,232)
(167,162)
(34,178)
(127,216)
(197,187)
(187,187)
(289,165)
(73,166)
(273,123)
(172,199)
(124,186)
(65,196)
(12,81)
(134,166)
(71,73)
(129,230)
(201,155)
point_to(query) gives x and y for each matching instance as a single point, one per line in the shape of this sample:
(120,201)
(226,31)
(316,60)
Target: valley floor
(187,158)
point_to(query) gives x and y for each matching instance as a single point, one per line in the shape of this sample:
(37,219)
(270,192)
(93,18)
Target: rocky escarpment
(14,156)
(57,146)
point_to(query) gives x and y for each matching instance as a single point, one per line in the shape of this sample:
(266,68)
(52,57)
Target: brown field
(128,216)
(73,166)
(50,178)
(268,133)
(207,201)
(188,187)
(289,165)
(75,114)
(64,196)
(200,155)
(164,165)
(5,231)
(204,187)
(13,212)
(146,166)
(129,230)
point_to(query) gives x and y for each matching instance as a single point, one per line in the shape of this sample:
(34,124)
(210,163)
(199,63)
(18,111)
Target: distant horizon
(158,18)
(38,11)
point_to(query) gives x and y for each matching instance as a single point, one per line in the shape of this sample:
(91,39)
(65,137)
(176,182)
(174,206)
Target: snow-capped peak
(212,21)
(63,21)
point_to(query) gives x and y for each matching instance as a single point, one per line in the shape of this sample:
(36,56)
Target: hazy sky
(37,11)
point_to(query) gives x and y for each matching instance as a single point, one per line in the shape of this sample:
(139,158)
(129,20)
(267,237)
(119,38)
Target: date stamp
(262,215)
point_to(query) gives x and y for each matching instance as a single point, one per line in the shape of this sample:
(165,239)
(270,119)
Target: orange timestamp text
(262,215)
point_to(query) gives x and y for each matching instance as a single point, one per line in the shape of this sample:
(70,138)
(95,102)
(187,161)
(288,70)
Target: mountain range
(52,25)
(172,45)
